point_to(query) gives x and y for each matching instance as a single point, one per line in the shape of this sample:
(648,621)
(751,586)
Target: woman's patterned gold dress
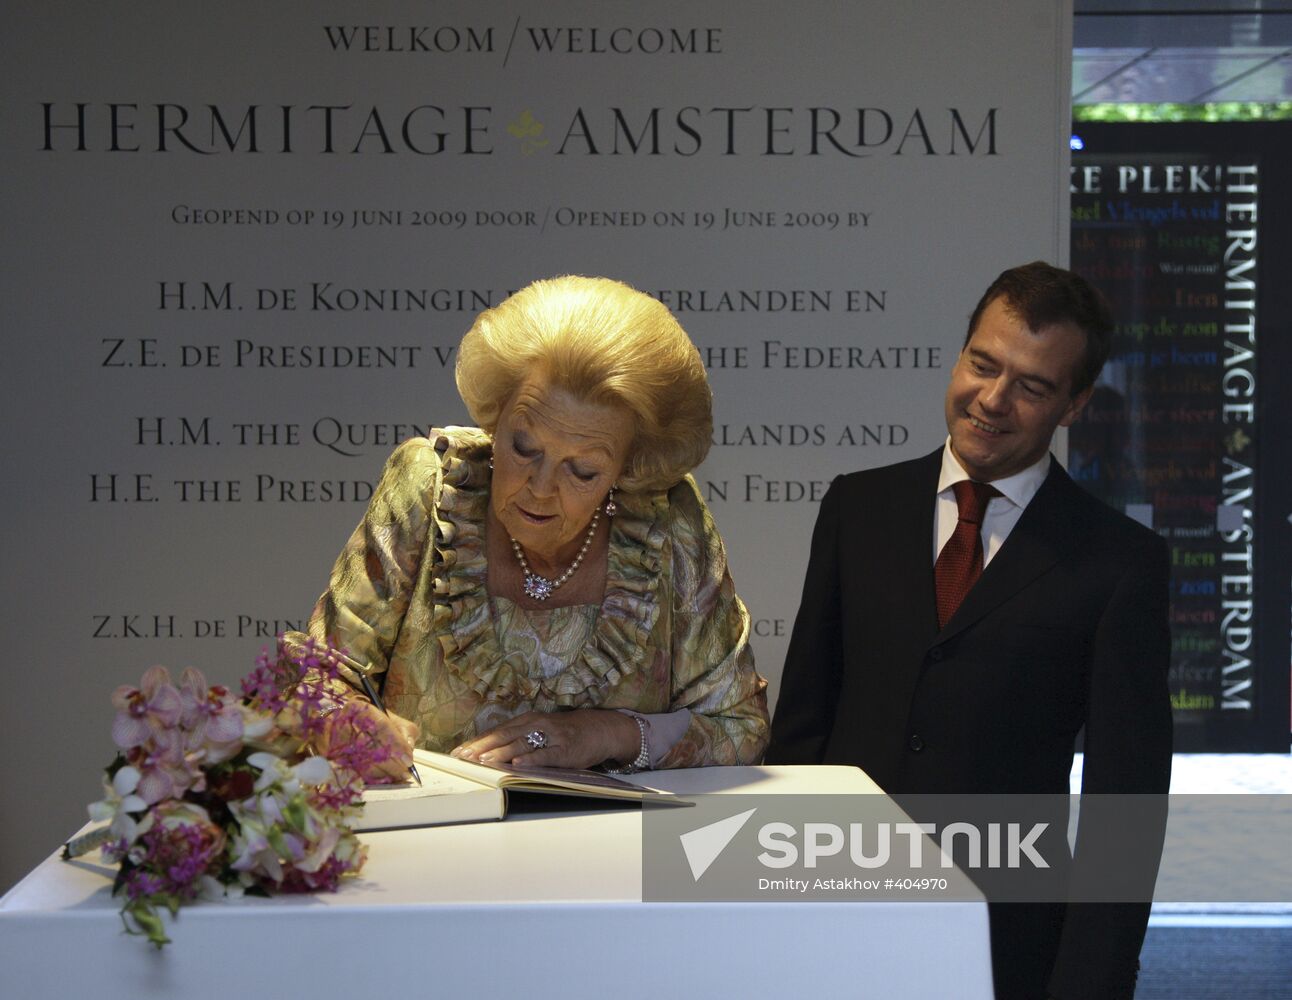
(407,595)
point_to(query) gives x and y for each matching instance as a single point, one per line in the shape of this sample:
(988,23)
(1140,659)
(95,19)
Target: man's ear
(1075,406)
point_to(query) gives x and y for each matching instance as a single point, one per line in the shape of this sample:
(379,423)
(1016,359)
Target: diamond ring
(537,739)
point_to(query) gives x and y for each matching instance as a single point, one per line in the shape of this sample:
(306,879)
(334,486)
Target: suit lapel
(911,571)
(906,551)
(1040,539)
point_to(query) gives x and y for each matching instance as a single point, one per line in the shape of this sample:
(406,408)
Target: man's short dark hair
(1041,295)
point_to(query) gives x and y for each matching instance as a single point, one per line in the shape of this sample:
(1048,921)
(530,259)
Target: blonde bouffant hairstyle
(604,343)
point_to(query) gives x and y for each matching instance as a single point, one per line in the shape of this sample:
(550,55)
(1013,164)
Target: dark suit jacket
(1066,629)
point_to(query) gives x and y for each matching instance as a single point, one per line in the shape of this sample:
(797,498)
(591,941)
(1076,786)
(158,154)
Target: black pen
(371,691)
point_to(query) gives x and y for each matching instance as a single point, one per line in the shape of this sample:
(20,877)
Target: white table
(542,904)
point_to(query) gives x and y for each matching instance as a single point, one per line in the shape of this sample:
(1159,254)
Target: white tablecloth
(541,904)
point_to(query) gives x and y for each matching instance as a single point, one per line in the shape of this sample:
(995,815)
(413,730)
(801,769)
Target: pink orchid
(192,692)
(211,716)
(153,707)
(167,768)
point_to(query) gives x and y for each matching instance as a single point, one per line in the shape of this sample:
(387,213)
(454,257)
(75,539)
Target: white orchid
(119,802)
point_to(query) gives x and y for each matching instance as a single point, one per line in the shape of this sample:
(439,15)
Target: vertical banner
(245,240)
(1171,434)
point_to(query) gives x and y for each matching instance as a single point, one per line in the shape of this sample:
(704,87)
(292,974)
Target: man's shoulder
(914,472)
(1092,521)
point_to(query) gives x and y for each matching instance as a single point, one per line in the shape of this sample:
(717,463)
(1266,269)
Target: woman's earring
(612,508)
(491,463)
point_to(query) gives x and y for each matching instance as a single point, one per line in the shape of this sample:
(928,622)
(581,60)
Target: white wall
(901,233)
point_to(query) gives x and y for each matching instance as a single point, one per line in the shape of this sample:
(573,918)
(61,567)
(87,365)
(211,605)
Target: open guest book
(462,791)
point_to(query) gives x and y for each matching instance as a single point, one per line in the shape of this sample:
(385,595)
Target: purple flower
(140,883)
(178,849)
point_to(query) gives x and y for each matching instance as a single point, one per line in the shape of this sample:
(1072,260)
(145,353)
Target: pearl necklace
(540,588)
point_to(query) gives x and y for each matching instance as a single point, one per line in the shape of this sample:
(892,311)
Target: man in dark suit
(955,638)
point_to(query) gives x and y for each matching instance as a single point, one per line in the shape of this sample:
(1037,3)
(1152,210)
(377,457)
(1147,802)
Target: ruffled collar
(461,620)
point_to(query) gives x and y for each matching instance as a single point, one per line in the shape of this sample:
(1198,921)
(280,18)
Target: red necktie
(960,562)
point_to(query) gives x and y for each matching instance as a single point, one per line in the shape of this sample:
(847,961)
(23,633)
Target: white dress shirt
(1002,512)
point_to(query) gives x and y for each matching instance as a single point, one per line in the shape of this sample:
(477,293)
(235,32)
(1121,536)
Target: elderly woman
(550,589)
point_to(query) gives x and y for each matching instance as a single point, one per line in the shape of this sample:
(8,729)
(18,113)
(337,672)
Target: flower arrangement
(212,795)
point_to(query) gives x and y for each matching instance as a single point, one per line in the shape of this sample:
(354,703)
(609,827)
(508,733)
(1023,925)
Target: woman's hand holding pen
(396,732)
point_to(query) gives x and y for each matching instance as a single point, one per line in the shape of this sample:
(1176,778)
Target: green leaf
(275,838)
(295,813)
(1222,111)
(146,922)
